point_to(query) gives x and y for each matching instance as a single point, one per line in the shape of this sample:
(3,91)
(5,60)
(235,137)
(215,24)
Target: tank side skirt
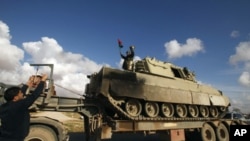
(113,103)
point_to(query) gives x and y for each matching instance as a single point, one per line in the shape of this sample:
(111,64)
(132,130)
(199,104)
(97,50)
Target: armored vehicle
(155,90)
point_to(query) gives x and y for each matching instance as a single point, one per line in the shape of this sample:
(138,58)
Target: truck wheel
(41,133)
(222,133)
(207,133)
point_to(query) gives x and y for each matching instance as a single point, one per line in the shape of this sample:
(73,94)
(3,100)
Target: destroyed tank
(155,90)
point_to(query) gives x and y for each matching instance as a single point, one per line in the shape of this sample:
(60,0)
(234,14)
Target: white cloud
(70,69)
(244,79)
(177,50)
(49,51)
(4,32)
(235,34)
(241,101)
(242,53)
(238,95)
(247,65)
(242,57)
(10,55)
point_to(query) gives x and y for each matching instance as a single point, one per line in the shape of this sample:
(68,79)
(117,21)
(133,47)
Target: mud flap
(173,135)
(177,135)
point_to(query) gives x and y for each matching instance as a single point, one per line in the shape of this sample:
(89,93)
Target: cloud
(242,53)
(241,101)
(177,50)
(242,58)
(244,79)
(49,51)
(10,55)
(238,95)
(70,69)
(235,34)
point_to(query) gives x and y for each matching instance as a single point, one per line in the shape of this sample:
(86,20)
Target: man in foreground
(14,114)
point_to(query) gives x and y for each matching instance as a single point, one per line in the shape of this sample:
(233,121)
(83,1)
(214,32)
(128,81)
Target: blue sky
(80,36)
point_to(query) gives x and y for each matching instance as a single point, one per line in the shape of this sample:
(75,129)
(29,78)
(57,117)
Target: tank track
(114,104)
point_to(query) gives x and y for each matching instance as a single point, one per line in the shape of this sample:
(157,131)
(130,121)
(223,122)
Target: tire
(222,133)
(207,133)
(41,133)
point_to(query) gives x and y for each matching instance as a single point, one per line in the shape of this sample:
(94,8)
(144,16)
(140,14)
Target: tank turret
(164,69)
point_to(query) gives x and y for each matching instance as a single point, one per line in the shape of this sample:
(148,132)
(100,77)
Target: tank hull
(127,84)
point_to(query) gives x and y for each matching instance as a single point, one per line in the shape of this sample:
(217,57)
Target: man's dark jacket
(128,58)
(15,117)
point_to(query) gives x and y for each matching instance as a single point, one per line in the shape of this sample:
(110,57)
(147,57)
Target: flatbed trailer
(99,126)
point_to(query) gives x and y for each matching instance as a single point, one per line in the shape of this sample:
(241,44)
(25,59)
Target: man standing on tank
(14,114)
(128,59)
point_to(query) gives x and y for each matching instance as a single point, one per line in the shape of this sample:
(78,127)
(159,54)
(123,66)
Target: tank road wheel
(222,133)
(193,110)
(181,110)
(167,109)
(207,133)
(223,109)
(133,107)
(151,109)
(204,111)
(214,111)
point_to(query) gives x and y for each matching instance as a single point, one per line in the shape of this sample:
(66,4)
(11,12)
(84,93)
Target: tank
(155,90)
